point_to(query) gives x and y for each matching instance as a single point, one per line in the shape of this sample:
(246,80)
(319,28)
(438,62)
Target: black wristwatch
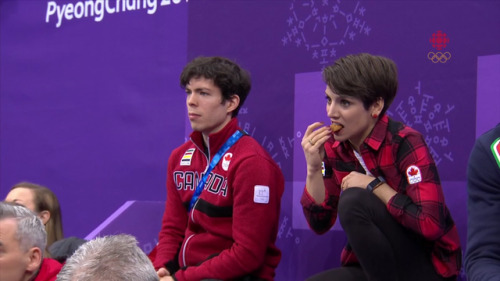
(375,183)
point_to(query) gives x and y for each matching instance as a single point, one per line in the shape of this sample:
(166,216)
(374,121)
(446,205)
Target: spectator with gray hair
(44,203)
(22,242)
(115,257)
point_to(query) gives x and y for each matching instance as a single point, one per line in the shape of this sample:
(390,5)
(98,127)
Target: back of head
(109,258)
(30,230)
(46,200)
(228,76)
(363,76)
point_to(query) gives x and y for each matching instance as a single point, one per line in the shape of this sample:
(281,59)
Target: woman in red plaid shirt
(379,176)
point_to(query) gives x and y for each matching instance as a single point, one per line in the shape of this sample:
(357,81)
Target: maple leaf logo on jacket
(413,174)
(226,160)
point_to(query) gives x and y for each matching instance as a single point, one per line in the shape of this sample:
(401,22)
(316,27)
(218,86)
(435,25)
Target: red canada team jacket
(232,229)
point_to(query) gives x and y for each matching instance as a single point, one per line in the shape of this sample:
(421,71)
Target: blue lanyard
(232,140)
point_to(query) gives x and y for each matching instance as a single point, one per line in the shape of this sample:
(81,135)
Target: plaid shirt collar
(374,139)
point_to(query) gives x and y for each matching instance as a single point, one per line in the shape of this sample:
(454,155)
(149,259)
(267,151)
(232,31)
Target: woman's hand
(355,179)
(312,143)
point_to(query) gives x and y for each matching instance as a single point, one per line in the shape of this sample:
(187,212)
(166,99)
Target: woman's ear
(44,216)
(377,107)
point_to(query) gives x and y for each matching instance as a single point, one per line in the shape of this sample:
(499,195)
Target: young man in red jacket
(22,240)
(223,189)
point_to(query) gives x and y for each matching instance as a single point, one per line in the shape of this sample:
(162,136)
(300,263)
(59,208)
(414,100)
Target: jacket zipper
(184,250)
(192,211)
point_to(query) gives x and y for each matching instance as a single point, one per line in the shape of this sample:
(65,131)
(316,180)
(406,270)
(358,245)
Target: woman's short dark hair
(364,76)
(228,76)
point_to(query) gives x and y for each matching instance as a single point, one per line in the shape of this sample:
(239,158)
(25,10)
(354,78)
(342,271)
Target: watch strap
(375,183)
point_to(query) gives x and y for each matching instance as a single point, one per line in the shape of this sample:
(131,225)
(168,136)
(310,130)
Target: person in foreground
(482,257)
(22,240)
(110,258)
(223,189)
(380,178)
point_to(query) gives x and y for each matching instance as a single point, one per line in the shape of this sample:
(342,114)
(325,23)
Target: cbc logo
(439,57)
(439,41)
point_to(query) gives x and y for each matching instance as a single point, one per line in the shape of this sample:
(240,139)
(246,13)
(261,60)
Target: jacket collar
(215,140)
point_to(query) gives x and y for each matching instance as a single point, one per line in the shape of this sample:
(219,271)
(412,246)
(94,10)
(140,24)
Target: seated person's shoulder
(64,248)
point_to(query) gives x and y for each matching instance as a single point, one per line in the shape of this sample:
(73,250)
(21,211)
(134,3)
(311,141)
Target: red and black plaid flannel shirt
(389,151)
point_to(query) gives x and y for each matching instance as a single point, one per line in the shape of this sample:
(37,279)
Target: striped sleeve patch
(495,148)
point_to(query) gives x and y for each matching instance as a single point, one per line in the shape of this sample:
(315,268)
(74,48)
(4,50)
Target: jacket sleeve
(482,260)
(255,223)
(173,226)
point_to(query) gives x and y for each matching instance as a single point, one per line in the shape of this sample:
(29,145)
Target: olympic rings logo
(439,57)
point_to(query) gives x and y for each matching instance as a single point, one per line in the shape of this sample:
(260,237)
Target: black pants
(385,249)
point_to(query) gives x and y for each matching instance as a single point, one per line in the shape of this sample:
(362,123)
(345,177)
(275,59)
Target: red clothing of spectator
(48,270)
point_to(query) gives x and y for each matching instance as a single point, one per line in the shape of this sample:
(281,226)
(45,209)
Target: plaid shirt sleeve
(420,206)
(321,217)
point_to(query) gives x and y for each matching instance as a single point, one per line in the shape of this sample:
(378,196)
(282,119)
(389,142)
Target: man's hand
(163,272)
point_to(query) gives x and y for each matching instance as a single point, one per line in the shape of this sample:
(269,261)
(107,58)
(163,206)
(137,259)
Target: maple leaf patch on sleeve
(413,174)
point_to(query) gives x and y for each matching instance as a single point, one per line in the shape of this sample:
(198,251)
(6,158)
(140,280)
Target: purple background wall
(90,105)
